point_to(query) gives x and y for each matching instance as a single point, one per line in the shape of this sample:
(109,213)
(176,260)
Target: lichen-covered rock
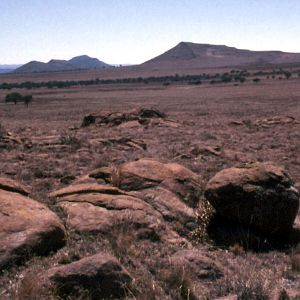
(27,227)
(260,195)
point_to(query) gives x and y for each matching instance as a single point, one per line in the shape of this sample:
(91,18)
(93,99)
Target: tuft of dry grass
(2,130)
(237,249)
(115,178)
(29,288)
(179,284)
(71,140)
(295,258)
(250,281)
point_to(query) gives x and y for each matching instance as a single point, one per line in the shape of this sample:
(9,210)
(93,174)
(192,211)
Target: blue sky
(133,31)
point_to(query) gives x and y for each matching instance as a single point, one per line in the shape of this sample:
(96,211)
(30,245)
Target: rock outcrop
(142,116)
(148,194)
(276,120)
(99,208)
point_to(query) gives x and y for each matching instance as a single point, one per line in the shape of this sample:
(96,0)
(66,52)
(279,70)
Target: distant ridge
(184,57)
(82,62)
(8,68)
(191,55)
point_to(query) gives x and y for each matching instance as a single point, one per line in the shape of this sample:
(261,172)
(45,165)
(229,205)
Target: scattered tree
(13,97)
(17,97)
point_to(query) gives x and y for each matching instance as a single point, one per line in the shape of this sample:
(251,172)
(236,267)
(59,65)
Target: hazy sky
(133,31)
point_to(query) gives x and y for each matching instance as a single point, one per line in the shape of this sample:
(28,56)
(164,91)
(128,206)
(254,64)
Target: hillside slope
(190,55)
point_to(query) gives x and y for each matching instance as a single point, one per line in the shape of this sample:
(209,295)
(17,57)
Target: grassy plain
(232,120)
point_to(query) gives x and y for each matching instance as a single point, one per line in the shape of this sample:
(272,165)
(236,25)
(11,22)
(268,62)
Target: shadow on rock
(230,235)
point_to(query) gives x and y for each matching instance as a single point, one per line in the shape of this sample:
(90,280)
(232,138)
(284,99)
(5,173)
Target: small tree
(16,97)
(13,97)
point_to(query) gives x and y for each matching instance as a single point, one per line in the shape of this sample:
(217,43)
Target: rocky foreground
(160,203)
(149,229)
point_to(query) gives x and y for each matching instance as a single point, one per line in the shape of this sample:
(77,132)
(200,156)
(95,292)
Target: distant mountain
(86,62)
(83,62)
(190,55)
(8,68)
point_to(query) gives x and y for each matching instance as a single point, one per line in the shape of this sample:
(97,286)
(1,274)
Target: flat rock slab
(8,184)
(260,195)
(99,208)
(276,120)
(120,143)
(27,227)
(101,275)
(85,188)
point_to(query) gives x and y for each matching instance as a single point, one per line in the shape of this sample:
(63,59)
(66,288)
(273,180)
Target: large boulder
(146,173)
(260,196)
(27,227)
(101,275)
(153,197)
